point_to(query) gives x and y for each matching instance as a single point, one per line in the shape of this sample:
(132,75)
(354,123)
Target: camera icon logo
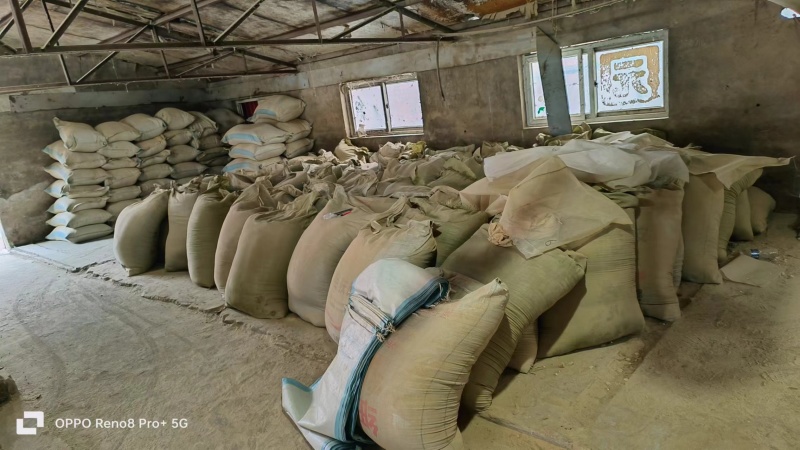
(22,430)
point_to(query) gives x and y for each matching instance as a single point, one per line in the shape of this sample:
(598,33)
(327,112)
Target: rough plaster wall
(22,137)
(733,85)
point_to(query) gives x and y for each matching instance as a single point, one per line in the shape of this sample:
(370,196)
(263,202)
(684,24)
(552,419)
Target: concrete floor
(96,345)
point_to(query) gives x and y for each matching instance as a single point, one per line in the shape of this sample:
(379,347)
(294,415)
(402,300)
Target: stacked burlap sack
(275,132)
(82,187)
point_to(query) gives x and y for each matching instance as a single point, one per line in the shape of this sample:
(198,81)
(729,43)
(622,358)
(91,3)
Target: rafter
(68,19)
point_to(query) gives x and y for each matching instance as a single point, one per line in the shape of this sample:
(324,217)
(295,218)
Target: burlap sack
(254,199)
(136,233)
(761,206)
(321,247)
(743,227)
(603,306)
(534,285)
(203,231)
(179,209)
(454,222)
(728,219)
(257,285)
(703,201)
(412,390)
(659,243)
(413,243)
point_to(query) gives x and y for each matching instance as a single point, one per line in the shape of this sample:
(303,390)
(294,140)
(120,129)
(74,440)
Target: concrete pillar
(548,54)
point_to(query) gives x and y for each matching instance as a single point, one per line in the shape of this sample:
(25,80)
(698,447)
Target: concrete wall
(733,81)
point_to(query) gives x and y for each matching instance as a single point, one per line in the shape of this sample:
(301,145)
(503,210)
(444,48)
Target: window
(607,81)
(382,106)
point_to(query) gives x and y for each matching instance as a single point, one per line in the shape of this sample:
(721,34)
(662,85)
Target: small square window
(383,106)
(608,81)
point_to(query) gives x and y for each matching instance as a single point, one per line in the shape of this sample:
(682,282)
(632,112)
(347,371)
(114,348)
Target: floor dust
(87,346)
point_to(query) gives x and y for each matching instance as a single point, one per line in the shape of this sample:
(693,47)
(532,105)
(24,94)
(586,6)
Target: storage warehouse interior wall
(475,283)
(731,76)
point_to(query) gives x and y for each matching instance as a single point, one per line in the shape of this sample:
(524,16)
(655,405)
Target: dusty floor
(99,345)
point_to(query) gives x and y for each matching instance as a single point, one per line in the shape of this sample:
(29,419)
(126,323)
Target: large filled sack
(202,125)
(345,151)
(209,155)
(136,233)
(281,108)
(181,154)
(61,188)
(703,202)
(225,119)
(257,285)
(257,133)
(384,295)
(124,193)
(179,208)
(534,285)
(413,242)
(151,146)
(257,152)
(457,174)
(728,219)
(202,232)
(66,204)
(76,177)
(79,137)
(761,206)
(80,234)
(79,219)
(210,141)
(454,221)
(253,199)
(359,182)
(120,149)
(298,128)
(159,158)
(179,137)
(659,244)
(149,126)
(119,163)
(118,131)
(116,208)
(299,147)
(149,186)
(743,228)
(319,250)
(175,118)
(155,172)
(412,390)
(73,160)
(549,207)
(603,306)
(187,170)
(120,178)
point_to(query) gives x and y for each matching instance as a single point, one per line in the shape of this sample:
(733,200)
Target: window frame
(529,119)
(345,90)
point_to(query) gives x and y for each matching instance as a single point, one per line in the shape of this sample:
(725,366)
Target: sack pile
(83,187)
(274,134)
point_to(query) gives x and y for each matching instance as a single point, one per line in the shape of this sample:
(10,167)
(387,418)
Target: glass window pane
(571,77)
(404,104)
(630,78)
(368,108)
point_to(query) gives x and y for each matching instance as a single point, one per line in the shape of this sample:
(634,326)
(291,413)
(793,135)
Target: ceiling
(99,22)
